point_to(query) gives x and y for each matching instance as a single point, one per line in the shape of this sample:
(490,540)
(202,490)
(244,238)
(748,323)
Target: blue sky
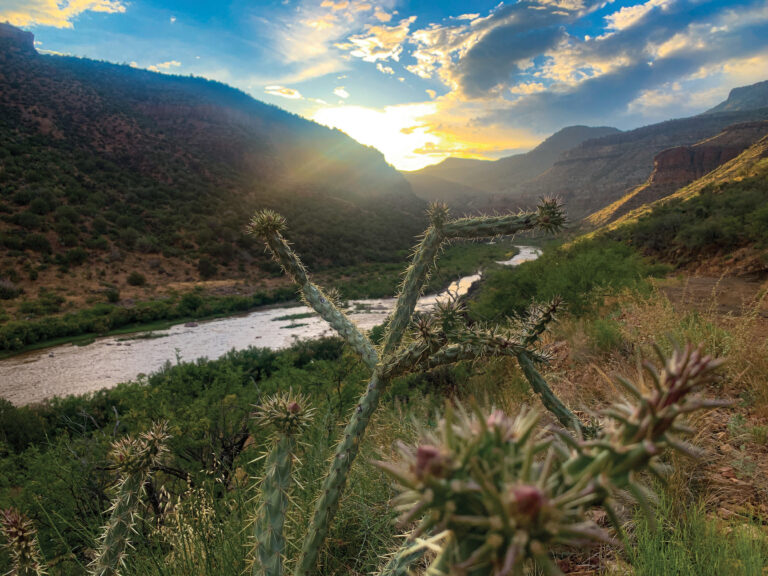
(424,80)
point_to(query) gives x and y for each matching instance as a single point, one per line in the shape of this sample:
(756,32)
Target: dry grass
(730,317)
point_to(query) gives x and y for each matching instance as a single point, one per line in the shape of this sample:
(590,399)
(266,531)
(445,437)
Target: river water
(68,369)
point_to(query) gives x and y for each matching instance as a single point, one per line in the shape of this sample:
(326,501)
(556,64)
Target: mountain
(479,180)
(679,166)
(124,169)
(744,98)
(718,224)
(602,170)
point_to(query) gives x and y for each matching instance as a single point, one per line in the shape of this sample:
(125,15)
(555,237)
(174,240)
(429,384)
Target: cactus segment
(135,459)
(334,482)
(269,225)
(269,542)
(550,400)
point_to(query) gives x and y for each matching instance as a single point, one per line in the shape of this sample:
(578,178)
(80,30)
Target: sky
(423,80)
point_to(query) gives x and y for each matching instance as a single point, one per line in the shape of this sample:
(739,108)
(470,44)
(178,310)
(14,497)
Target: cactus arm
(409,361)
(334,482)
(413,283)
(567,418)
(268,527)
(312,294)
(485,226)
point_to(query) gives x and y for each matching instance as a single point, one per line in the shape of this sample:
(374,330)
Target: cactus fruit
(441,339)
(508,494)
(289,415)
(135,460)
(21,543)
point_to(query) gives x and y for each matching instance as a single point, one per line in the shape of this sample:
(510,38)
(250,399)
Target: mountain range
(588,168)
(128,170)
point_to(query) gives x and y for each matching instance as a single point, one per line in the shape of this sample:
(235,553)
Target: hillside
(479,180)
(744,98)
(677,167)
(600,171)
(106,169)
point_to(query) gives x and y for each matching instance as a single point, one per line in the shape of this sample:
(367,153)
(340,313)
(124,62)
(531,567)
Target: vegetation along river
(69,369)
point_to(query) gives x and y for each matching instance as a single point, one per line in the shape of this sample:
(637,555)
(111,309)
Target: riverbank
(36,375)
(81,327)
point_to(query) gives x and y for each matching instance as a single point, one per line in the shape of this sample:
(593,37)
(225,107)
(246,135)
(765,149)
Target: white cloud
(628,16)
(341,92)
(55,13)
(290,93)
(379,42)
(384,69)
(164,66)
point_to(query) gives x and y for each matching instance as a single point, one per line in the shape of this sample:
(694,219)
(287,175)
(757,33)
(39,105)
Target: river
(69,369)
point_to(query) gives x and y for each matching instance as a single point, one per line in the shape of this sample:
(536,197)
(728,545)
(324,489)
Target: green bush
(581,274)
(136,279)
(206,268)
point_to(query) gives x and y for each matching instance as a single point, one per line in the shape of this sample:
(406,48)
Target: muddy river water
(68,369)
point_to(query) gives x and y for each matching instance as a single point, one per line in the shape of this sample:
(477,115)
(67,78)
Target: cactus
(134,459)
(288,414)
(508,495)
(21,543)
(437,341)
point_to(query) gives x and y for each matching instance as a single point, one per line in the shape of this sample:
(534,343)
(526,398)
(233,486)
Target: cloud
(379,42)
(341,92)
(55,13)
(482,55)
(384,69)
(164,66)
(290,93)
(630,15)
(304,40)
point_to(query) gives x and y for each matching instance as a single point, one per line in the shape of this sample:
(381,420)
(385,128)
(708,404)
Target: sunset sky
(425,80)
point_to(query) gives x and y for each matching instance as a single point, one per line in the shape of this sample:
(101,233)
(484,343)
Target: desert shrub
(206,268)
(581,274)
(37,243)
(136,279)
(8,290)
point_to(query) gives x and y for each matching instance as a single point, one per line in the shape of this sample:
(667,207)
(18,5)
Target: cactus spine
(135,459)
(21,543)
(288,414)
(448,347)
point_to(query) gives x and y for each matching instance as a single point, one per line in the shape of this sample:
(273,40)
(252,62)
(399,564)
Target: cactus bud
(21,543)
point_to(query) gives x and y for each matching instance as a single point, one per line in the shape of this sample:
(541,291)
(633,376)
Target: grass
(299,316)
(690,542)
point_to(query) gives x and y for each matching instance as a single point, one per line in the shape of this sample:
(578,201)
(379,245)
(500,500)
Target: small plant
(21,543)
(136,279)
(493,495)
(8,290)
(135,460)
(288,415)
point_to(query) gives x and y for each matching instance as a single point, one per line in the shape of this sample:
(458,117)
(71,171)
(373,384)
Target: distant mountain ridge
(484,179)
(744,98)
(591,171)
(115,167)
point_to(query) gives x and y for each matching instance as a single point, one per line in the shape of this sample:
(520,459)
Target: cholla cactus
(436,341)
(134,459)
(21,543)
(494,494)
(288,414)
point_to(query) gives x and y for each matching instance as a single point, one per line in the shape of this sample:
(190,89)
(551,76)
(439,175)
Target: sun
(399,132)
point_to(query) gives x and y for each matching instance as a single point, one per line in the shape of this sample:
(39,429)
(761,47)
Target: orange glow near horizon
(412,136)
